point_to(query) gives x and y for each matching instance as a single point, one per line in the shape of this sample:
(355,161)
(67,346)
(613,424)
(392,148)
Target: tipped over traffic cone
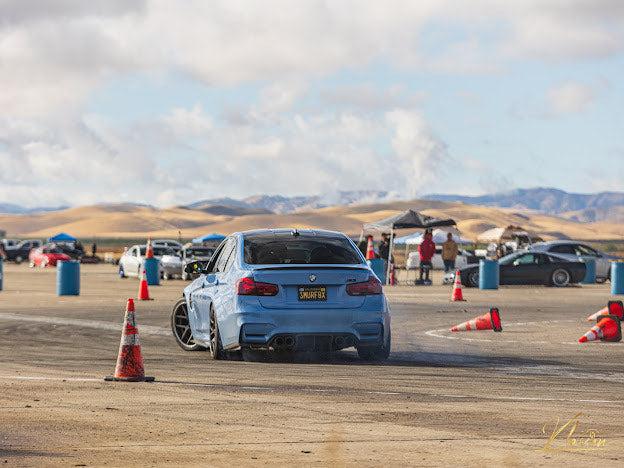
(143,288)
(149,249)
(613,308)
(489,321)
(608,328)
(457,295)
(370,251)
(129,366)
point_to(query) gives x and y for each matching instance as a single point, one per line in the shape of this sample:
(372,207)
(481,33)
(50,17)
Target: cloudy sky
(169,102)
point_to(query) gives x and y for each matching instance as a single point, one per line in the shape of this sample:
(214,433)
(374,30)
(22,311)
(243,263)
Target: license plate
(312,293)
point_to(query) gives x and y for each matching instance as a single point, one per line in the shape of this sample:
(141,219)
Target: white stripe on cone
(594,333)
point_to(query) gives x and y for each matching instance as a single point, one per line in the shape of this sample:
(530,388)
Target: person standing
(93,249)
(426,250)
(449,253)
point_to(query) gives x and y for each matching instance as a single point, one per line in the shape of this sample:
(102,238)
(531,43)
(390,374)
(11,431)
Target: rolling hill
(132,220)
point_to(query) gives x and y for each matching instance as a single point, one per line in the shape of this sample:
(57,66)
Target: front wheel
(560,278)
(182,329)
(376,353)
(18,259)
(122,273)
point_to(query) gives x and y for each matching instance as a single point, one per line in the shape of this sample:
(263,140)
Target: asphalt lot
(473,398)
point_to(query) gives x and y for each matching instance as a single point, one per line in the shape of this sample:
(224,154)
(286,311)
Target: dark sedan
(531,268)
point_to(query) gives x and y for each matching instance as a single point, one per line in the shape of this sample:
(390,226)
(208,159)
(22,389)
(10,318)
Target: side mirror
(196,268)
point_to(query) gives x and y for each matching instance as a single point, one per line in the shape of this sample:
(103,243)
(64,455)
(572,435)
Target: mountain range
(604,206)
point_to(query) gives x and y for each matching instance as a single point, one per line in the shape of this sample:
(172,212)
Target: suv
(18,253)
(573,250)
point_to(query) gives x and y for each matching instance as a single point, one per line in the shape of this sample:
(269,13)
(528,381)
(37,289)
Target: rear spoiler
(309,267)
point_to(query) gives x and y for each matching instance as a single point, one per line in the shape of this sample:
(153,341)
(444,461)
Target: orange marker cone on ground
(489,321)
(129,366)
(457,295)
(613,308)
(593,317)
(609,328)
(370,251)
(143,288)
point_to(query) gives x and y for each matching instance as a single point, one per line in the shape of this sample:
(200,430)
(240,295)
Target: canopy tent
(213,237)
(409,219)
(509,233)
(439,237)
(62,237)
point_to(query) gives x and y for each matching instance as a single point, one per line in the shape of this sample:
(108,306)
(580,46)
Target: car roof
(309,232)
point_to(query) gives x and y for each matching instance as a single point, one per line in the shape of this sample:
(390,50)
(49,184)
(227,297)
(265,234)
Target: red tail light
(249,287)
(367,288)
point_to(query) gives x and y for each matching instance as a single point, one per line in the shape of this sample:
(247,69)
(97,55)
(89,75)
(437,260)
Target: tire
(19,259)
(601,280)
(216,348)
(31,264)
(166,276)
(186,276)
(473,279)
(43,264)
(560,278)
(376,353)
(181,328)
(122,273)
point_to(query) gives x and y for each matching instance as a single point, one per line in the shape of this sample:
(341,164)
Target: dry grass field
(130,221)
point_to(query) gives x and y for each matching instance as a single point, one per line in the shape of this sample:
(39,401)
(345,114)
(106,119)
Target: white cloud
(570,97)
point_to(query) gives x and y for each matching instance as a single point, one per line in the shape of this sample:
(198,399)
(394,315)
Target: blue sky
(139,102)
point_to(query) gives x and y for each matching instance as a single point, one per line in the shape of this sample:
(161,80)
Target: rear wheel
(473,279)
(19,259)
(560,278)
(376,353)
(182,329)
(216,348)
(122,273)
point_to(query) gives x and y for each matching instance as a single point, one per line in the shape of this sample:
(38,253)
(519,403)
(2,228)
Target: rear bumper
(313,328)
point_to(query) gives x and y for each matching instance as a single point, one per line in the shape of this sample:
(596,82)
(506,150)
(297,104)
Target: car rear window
(288,249)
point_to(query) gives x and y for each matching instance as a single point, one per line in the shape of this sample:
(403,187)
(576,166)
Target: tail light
(249,287)
(367,288)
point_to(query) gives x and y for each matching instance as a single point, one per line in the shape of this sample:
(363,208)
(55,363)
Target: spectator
(384,246)
(449,253)
(93,249)
(426,250)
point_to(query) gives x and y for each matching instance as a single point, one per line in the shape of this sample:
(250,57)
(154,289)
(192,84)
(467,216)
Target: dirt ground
(474,398)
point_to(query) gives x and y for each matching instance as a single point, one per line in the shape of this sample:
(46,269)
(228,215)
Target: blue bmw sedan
(284,290)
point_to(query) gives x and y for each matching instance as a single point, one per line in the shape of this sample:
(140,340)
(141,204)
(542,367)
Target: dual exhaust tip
(289,342)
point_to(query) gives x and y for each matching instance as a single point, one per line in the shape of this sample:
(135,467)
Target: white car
(131,262)
(413,259)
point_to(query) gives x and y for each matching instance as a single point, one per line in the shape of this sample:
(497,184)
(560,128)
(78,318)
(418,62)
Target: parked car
(284,290)
(191,253)
(573,250)
(21,251)
(131,262)
(46,255)
(171,263)
(531,268)
(10,242)
(175,245)
(70,250)
(464,258)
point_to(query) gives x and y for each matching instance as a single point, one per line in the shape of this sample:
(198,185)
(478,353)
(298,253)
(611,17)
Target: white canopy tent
(439,237)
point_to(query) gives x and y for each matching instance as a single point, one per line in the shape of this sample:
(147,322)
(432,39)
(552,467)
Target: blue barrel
(68,278)
(151,271)
(590,272)
(617,278)
(488,274)
(378,267)
(1,273)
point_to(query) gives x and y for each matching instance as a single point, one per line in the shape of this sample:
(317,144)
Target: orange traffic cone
(143,289)
(609,328)
(457,295)
(489,321)
(149,250)
(613,308)
(593,317)
(370,251)
(129,366)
